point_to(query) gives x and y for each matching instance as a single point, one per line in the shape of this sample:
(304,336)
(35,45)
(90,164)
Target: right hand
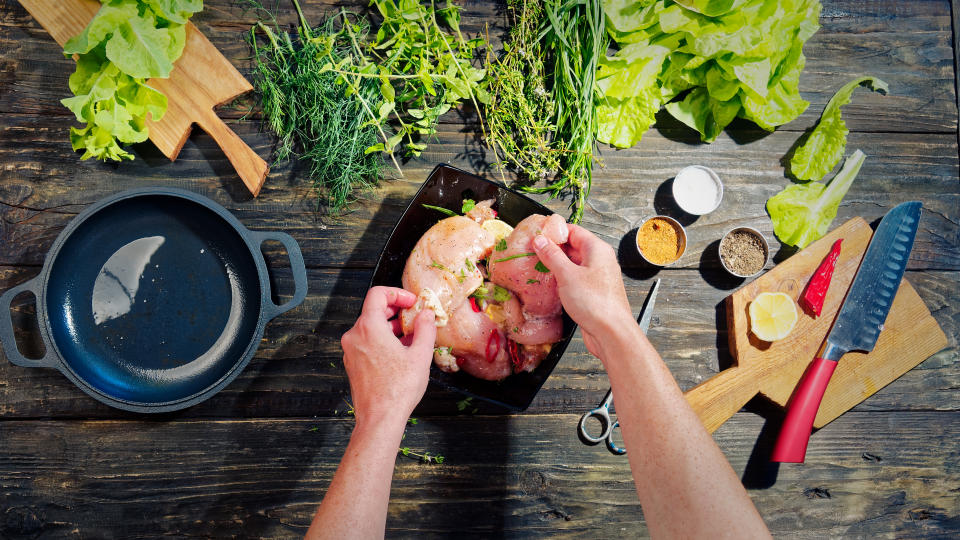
(589,283)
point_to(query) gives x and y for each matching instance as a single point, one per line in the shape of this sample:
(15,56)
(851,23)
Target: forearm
(355,505)
(685,484)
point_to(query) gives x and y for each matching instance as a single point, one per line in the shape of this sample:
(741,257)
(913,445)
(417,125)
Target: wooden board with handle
(910,336)
(201,80)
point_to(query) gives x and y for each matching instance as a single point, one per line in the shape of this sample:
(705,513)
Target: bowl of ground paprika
(661,240)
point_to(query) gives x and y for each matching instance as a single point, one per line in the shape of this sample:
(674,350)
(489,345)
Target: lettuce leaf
(824,148)
(802,213)
(126,43)
(723,59)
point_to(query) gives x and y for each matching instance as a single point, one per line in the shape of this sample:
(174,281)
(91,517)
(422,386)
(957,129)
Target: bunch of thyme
(520,113)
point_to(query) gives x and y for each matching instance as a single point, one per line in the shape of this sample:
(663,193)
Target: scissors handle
(603,415)
(612,446)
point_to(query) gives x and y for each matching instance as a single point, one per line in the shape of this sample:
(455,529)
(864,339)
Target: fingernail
(539,241)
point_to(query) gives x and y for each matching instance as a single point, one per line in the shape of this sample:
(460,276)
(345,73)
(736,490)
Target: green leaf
(468,205)
(440,209)
(704,114)
(175,11)
(802,213)
(542,268)
(140,49)
(501,245)
(824,147)
(710,8)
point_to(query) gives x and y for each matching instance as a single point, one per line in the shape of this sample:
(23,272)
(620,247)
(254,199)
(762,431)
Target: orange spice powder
(659,241)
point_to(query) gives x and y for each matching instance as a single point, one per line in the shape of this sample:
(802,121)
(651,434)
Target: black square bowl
(447,187)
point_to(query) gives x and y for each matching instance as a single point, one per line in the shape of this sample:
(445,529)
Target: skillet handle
(297,265)
(6,330)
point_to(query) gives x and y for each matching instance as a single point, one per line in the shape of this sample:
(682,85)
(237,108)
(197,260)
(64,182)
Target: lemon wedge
(499,229)
(772,316)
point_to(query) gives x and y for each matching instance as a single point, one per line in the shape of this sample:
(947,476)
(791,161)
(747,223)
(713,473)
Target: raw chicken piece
(468,335)
(441,270)
(482,211)
(529,330)
(537,290)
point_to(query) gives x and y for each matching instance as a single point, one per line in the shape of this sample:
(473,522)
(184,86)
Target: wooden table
(256,459)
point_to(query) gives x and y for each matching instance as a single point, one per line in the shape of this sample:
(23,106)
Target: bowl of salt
(697,190)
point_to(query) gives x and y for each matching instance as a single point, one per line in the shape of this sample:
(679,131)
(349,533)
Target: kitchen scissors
(602,411)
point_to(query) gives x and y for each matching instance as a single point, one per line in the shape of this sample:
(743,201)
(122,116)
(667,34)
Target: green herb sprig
(315,120)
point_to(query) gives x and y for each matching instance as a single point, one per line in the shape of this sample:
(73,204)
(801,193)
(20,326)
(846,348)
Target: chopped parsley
(437,265)
(469,264)
(481,293)
(500,294)
(541,268)
(468,205)
(501,244)
(517,256)
(532,281)
(516,330)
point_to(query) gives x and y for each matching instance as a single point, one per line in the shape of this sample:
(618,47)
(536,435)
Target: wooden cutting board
(201,80)
(910,335)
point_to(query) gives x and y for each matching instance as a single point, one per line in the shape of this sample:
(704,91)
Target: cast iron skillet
(447,187)
(153,300)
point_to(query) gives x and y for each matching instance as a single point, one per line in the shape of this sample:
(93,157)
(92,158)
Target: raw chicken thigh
(489,329)
(442,271)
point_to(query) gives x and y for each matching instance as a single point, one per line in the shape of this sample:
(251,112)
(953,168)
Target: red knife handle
(791,445)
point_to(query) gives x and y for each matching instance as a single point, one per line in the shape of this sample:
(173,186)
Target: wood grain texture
(877,475)
(200,80)
(254,460)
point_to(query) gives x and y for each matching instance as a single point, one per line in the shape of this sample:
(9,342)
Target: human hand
(388,375)
(589,283)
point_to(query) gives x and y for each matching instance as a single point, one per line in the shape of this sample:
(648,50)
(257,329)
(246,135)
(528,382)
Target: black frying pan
(447,187)
(153,300)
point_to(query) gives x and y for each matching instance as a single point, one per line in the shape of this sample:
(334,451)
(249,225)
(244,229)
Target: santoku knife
(856,327)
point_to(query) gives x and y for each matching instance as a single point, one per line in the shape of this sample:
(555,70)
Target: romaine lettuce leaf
(824,148)
(802,213)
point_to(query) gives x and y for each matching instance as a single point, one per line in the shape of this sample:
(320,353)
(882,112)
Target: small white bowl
(692,180)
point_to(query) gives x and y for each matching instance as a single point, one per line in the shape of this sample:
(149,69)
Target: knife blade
(857,325)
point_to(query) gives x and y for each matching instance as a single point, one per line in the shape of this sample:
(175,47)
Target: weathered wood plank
(904,43)
(877,475)
(42,185)
(298,372)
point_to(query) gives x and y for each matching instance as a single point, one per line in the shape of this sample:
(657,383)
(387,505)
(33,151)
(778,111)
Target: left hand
(388,376)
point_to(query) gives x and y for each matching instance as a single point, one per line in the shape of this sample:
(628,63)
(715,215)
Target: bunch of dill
(314,118)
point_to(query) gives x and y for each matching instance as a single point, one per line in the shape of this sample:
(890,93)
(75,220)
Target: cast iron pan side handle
(271,310)
(6,330)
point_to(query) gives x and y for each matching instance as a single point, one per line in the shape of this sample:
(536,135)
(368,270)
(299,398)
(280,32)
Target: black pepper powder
(743,253)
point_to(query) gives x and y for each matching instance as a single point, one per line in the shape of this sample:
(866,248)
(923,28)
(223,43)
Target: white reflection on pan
(115,288)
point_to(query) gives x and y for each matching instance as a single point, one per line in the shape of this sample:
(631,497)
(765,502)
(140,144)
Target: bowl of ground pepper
(661,240)
(744,252)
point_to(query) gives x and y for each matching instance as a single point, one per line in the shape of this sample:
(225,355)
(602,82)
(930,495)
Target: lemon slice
(497,228)
(772,316)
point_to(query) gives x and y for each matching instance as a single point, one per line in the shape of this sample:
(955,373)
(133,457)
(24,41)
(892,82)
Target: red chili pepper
(494,213)
(816,290)
(473,304)
(514,353)
(493,346)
